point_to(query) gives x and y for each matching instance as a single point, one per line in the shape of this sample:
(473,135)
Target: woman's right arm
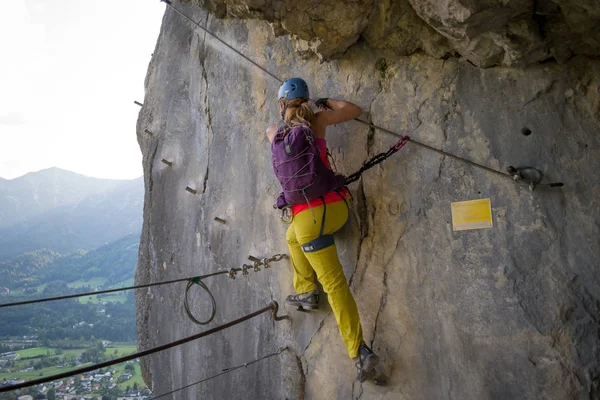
(342,111)
(271,131)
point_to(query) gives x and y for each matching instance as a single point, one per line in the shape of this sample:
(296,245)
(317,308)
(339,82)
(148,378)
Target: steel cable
(73,296)
(371,125)
(223,372)
(273,306)
(230,272)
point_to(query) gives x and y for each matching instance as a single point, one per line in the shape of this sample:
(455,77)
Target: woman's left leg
(326,264)
(330,273)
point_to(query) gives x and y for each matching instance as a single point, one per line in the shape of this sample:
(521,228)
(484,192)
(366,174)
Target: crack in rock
(206,174)
(363,223)
(540,93)
(151,174)
(316,332)
(302,383)
(209,128)
(419,112)
(440,169)
(382,302)
(361,389)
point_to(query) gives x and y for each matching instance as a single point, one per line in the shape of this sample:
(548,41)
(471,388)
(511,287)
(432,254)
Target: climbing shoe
(366,363)
(305,301)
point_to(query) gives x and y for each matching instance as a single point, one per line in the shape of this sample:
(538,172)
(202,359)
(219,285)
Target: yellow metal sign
(472,214)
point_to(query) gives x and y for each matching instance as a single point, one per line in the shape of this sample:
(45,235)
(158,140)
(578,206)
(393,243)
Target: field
(137,378)
(122,349)
(34,352)
(34,374)
(93,283)
(118,297)
(123,344)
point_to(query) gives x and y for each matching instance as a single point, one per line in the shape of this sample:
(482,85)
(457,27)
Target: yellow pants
(326,264)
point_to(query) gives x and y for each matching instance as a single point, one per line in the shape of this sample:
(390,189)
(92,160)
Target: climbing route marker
(472,214)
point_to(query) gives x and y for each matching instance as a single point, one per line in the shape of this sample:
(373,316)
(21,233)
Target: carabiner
(286,215)
(400,143)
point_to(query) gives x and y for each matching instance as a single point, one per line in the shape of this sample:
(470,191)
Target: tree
(135,386)
(130,368)
(51,395)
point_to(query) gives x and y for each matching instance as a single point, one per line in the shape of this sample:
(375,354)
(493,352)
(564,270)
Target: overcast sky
(69,73)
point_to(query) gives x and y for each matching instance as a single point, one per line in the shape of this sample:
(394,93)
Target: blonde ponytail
(297,112)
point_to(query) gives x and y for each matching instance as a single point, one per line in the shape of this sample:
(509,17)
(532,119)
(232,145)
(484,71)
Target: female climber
(314,220)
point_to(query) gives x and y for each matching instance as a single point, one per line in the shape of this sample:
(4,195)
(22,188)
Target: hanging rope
(225,371)
(369,124)
(272,306)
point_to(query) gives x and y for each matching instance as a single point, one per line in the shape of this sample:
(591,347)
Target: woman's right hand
(322,104)
(341,111)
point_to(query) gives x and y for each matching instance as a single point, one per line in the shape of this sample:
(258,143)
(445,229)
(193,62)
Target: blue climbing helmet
(293,88)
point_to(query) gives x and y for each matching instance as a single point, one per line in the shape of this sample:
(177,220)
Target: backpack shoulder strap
(282,130)
(281,125)
(308,132)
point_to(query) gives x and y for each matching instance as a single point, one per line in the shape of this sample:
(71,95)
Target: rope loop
(213,312)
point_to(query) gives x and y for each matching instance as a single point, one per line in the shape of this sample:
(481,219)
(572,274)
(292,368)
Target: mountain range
(63,211)
(115,262)
(63,233)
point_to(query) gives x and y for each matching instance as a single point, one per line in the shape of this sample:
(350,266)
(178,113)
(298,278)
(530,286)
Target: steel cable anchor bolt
(256,263)
(232,273)
(245,268)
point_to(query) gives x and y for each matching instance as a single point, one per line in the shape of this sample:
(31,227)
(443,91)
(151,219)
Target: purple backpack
(299,167)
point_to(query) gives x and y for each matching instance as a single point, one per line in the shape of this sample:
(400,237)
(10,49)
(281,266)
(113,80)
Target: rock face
(487,33)
(510,312)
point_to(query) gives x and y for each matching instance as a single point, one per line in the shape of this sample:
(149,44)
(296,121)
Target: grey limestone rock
(510,312)
(487,33)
